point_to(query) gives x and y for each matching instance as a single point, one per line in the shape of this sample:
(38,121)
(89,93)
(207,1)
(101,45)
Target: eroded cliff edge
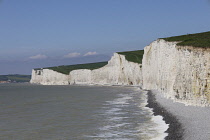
(181,73)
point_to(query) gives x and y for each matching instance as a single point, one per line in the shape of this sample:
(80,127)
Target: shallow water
(32,112)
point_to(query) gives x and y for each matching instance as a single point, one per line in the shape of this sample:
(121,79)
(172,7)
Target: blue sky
(42,33)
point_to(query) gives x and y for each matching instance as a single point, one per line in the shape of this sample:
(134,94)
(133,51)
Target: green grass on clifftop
(65,69)
(133,56)
(201,40)
(15,78)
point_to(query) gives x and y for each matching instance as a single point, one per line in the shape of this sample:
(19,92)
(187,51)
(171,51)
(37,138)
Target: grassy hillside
(133,56)
(15,78)
(197,40)
(65,69)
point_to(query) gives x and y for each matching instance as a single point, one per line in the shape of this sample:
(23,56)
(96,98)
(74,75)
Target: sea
(38,112)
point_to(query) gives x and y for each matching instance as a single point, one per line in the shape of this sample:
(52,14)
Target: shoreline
(186,122)
(175,130)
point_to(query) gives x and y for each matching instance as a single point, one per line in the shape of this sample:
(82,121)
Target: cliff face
(48,77)
(179,72)
(118,71)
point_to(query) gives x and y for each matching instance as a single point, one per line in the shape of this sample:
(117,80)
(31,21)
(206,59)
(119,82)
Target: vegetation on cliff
(15,78)
(133,56)
(201,40)
(65,69)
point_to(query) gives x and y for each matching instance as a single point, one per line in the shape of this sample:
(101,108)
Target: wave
(127,117)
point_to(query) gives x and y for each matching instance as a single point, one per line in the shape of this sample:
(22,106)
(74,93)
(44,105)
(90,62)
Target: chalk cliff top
(201,40)
(65,69)
(15,78)
(133,56)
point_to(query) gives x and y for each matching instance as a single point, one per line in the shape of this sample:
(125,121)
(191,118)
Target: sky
(43,33)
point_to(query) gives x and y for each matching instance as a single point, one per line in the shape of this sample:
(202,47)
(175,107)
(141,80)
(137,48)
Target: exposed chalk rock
(179,72)
(49,77)
(81,76)
(118,71)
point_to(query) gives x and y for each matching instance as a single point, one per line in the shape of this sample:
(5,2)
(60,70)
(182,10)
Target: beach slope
(189,123)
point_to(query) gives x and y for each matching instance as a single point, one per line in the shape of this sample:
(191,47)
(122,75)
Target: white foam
(114,111)
(108,127)
(156,129)
(115,127)
(161,127)
(117,118)
(121,101)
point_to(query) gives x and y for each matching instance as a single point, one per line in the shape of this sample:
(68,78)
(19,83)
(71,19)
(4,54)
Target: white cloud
(38,56)
(70,55)
(90,53)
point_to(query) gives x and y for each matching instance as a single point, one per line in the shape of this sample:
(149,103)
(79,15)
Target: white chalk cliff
(118,71)
(48,77)
(181,73)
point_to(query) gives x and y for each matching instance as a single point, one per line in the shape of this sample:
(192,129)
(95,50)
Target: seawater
(36,112)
